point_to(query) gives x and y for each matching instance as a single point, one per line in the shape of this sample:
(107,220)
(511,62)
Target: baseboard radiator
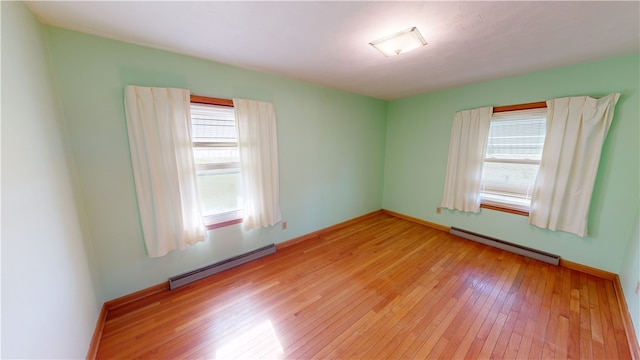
(191,276)
(517,249)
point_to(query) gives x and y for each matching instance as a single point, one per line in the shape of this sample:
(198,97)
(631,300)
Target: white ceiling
(328,42)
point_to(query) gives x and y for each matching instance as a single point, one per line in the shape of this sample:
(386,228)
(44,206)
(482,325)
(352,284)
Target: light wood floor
(381,288)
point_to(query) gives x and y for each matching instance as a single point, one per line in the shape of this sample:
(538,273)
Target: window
(512,159)
(216,155)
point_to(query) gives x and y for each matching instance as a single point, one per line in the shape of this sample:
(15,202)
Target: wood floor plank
(551,335)
(459,337)
(573,351)
(610,348)
(542,320)
(597,337)
(463,347)
(526,340)
(431,339)
(518,289)
(525,310)
(480,342)
(586,351)
(445,300)
(382,287)
(430,307)
(617,323)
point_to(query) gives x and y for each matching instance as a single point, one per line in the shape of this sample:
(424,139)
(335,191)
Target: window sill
(504,209)
(223,224)
(223,219)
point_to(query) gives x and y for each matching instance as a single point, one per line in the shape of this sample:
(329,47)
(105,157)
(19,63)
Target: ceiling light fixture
(400,42)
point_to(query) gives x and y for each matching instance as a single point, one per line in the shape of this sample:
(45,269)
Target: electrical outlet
(438,210)
(284,225)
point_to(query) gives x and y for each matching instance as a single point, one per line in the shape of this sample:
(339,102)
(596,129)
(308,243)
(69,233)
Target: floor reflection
(259,342)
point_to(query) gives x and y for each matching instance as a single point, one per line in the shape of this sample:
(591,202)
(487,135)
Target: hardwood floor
(380,288)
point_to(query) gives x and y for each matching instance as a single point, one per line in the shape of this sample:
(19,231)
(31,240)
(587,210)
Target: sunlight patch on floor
(259,342)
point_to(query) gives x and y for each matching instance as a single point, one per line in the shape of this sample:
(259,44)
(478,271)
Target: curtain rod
(211,101)
(535,105)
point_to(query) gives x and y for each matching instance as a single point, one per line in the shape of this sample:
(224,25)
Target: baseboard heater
(191,276)
(517,249)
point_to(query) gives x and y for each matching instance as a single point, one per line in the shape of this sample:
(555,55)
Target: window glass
(215,150)
(512,159)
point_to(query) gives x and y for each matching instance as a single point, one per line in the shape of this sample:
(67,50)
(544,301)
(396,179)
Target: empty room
(320,180)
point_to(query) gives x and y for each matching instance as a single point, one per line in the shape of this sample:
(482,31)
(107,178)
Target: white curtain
(159,128)
(467,149)
(258,143)
(576,130)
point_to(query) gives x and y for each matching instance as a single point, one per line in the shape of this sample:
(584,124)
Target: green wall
(331,151)
(51,294)
(418,131)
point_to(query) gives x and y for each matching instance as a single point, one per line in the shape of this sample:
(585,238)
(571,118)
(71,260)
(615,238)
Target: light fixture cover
(400,42)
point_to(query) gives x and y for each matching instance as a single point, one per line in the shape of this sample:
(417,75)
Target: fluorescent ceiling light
(399,43)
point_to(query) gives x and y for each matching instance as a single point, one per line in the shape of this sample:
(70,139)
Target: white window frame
(501,198)
(225,218)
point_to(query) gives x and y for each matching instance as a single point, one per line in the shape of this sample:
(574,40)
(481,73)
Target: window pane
(516,139)
(213,132)
(220,190)
(212,124)
(216,155)
(514,150)
(509,179)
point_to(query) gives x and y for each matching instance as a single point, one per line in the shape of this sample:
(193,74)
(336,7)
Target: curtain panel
(258,144)
(467,148)
(576,131)
(159,129)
